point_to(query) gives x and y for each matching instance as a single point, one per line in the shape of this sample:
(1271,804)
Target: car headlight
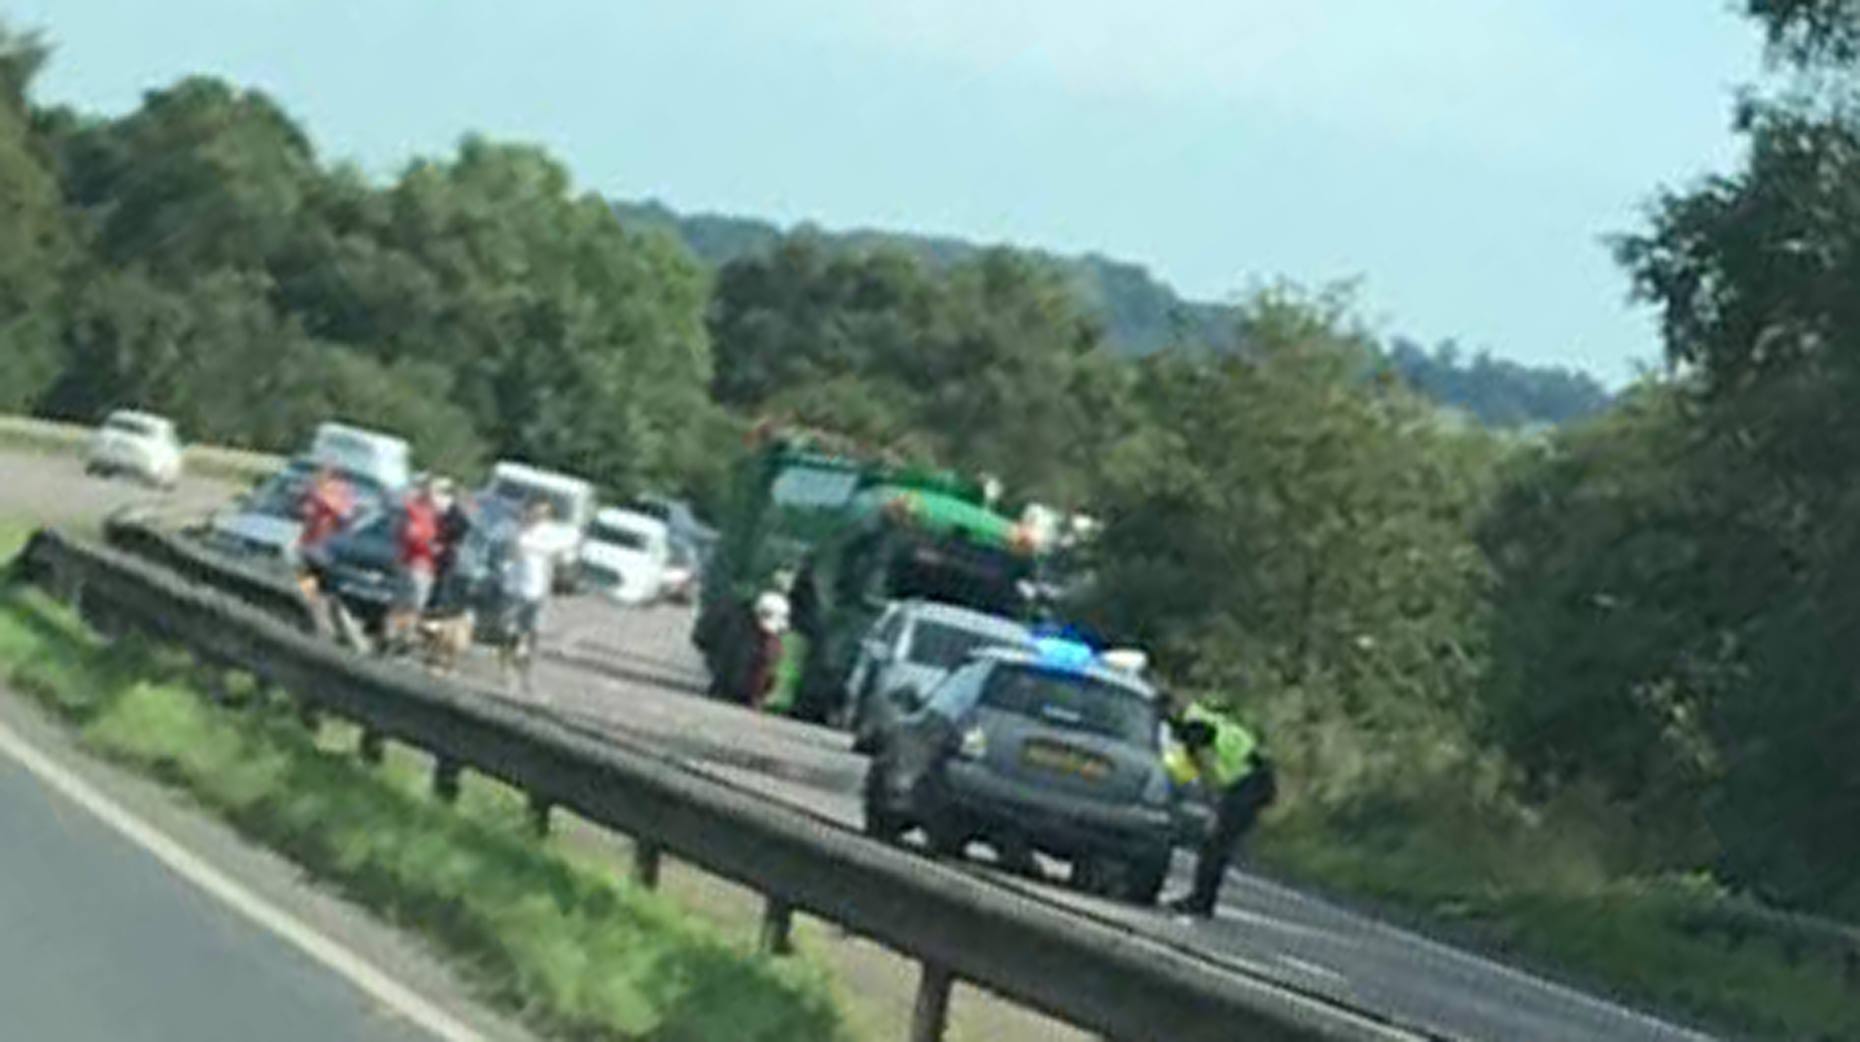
(974,744)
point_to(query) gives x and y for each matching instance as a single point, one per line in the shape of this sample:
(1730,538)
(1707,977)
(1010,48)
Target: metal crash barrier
(958,925)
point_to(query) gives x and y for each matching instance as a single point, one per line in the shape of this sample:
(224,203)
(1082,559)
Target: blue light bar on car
(1061,653)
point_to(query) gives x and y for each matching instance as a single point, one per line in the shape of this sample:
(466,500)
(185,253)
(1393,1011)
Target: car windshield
(561,504)
(1072,701)
(614,535)
(943,646)
(653,508)
(813,488)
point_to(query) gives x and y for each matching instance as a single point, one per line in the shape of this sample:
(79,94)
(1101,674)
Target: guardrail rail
(957,924)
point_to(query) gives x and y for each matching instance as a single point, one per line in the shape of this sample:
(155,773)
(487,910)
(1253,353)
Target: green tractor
(842,534)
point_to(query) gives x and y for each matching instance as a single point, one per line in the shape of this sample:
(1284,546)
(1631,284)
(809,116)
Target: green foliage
(1138,315)
(476,305)
(1499,393)
(1522,892)
(981,365)
(1288,537)
(35,241)
(1809,32)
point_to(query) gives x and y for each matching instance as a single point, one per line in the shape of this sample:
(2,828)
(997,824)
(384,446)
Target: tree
(201,177)
(983,366)
(1286,535)
(35,241)
(1754,275)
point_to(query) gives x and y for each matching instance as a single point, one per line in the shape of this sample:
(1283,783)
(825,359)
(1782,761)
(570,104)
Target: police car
(1042,748)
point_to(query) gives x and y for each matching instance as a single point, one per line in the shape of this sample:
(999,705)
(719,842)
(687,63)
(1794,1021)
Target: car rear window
(132,425)
(1072,701)
(943,646)
(615,535)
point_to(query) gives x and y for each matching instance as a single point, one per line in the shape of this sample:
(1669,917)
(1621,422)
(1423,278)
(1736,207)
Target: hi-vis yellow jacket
(1227,761)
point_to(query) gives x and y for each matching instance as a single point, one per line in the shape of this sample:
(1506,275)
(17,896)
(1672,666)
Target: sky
(1464,159)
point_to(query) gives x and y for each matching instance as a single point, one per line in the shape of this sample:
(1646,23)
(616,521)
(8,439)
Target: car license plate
(1065,760)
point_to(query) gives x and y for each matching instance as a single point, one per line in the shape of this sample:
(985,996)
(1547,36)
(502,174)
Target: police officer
(1226,759)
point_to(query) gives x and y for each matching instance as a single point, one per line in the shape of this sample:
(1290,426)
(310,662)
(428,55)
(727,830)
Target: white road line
(191,868)
(1312,968)
(1241,915)
(1472,959)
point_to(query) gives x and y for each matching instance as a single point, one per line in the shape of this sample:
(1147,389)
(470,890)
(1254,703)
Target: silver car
(908,652)
(1042,750)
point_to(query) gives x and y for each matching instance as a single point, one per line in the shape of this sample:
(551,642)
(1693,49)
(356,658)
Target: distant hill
(1143,315)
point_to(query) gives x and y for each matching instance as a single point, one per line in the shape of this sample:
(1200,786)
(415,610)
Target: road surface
(126,917)
(633,674)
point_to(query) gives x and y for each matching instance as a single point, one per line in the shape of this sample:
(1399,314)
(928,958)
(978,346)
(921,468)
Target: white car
(137,443)
(626,556)
(571,503)
(381,458)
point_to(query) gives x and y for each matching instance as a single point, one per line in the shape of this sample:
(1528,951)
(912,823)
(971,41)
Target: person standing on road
(326,505)
(528,576)
(1226,759)
(455,525)
(417,558)
(772,613)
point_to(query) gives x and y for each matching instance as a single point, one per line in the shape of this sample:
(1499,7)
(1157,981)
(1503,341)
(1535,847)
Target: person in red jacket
(325,505)
(418,560)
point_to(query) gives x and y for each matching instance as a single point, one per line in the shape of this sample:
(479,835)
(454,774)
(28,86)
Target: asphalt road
(634,674)
(53,489)
(100,942)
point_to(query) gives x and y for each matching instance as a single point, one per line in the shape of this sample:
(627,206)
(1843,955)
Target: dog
(444,639)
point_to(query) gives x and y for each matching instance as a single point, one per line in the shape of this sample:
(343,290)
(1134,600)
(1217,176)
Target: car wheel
(944,835)
(881,822)
(1146,876)
(1094,874)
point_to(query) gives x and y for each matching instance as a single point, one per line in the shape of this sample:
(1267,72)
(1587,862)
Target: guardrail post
(371,747)
(646,863)
(446,779)
(539,814)
(930,1014)
(777,927)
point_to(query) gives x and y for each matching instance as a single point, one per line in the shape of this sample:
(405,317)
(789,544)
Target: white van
(571,503)
(380,457)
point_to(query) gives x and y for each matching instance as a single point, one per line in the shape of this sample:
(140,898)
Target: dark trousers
(1233,819)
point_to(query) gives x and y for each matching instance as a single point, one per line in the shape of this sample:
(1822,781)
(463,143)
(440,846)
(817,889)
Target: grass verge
(579,954)
(1540,901)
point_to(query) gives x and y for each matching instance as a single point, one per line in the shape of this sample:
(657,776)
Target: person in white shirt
(528,576)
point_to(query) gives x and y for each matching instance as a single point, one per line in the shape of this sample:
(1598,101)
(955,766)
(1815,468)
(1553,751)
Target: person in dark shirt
(455,525)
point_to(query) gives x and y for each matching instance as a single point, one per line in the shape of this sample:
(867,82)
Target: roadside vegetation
(1564,691)
(578,952)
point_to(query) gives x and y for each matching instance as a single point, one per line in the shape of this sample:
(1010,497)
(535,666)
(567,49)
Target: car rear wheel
(1146,876)
(945,836)
(881,822)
